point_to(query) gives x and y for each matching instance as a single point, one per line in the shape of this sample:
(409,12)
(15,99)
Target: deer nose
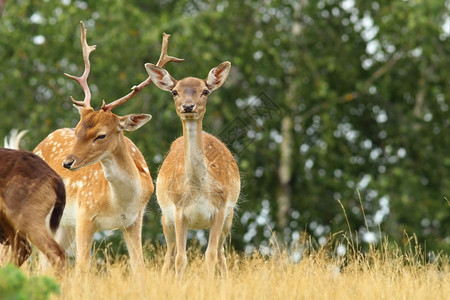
(67,164)
(187,108)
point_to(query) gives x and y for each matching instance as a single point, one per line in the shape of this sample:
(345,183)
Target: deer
(32,201)
(198,184)
(107,179)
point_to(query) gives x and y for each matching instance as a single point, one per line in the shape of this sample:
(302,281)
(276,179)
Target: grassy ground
(384,273)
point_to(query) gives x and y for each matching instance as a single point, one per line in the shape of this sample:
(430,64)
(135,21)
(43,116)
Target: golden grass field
(389,272)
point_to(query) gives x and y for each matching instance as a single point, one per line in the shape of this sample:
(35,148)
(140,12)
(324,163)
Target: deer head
(98,133)
(190,94)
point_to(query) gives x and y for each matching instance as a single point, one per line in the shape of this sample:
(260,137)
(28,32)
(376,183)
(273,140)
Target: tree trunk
(286,147)
(285,172)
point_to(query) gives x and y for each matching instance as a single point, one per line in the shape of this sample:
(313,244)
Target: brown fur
(198,184)
(91,204)
(29,191)
(217,156)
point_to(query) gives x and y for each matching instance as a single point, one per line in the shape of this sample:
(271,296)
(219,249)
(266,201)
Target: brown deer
(31,194)
(107,180)
(198,184)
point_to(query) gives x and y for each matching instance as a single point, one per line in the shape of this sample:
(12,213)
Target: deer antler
(163,59)
(82,81)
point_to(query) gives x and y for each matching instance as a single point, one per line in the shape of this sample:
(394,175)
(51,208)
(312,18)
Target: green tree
(325,99)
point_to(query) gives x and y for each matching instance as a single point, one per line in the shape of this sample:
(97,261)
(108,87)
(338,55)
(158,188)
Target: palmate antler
(163,59)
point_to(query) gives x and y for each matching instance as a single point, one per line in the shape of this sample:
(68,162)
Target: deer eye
(205,93)
(100,137)
(174,93)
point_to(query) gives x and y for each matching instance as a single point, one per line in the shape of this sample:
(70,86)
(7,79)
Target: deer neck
(121,173)
(194,157)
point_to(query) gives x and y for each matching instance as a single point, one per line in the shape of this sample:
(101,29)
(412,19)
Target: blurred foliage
(365,85)
(14,285)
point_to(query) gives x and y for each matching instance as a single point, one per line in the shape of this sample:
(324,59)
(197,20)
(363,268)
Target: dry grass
(378,274)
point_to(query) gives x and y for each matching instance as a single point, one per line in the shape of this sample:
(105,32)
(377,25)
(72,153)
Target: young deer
(198,184)
(30,192)
(111,184)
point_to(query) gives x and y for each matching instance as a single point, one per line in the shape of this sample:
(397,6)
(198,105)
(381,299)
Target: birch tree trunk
(286,147)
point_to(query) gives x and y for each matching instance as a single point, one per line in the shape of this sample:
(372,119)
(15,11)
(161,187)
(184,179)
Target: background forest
(329,104)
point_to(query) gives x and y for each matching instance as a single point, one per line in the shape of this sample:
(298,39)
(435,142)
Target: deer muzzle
(68,163)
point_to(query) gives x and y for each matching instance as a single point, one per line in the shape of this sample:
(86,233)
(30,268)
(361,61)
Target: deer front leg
(181,230)
(214,234)
(169,235)
(133,239)
(84,234)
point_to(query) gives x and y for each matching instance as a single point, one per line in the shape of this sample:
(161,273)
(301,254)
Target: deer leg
(169,235)
(214,235)
(7,235)
(181,230)
(16,235)
(16,238)
(21,249)
(133,239)
(64,237)
(51,249)
(36,231)
(84,234)
(222,262)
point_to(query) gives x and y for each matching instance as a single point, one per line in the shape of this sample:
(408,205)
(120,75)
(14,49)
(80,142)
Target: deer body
(30,193)
(201,194)
(109,194)
(198,184)
(107,179)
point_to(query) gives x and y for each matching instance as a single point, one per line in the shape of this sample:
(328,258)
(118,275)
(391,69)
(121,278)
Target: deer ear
(218,75)
(160,77)
(133,122)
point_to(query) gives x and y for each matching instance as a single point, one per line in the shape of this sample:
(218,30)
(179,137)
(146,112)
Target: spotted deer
(198,184)
(32,200)
(107,179)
